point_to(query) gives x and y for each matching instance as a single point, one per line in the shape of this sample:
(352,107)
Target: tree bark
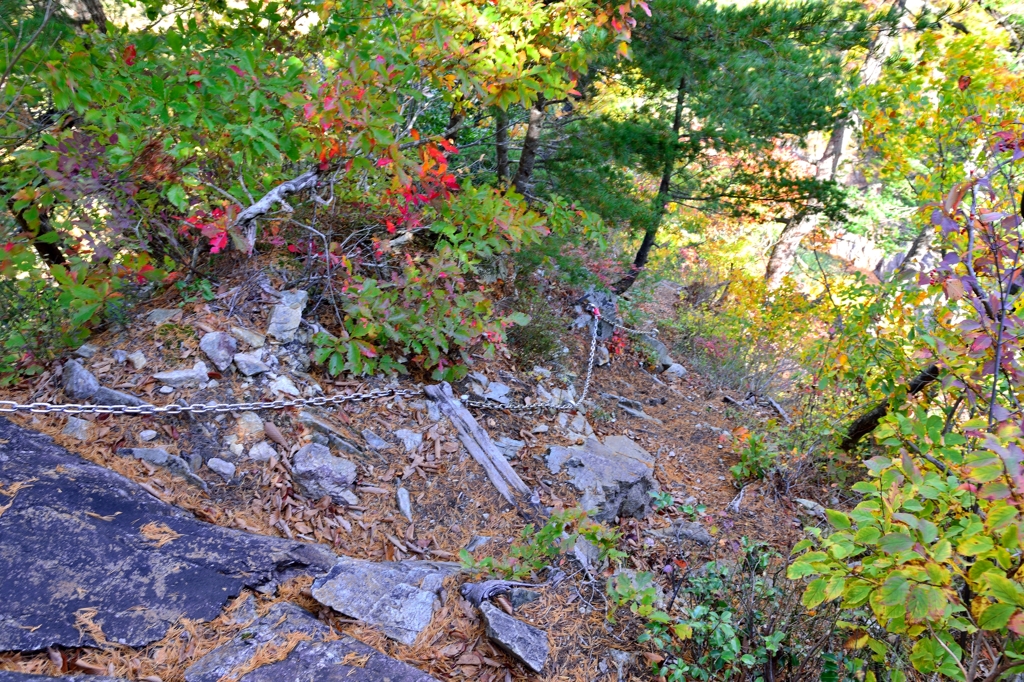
(501,144)
(651,231)
(783,254)
(528,157)
(88,11)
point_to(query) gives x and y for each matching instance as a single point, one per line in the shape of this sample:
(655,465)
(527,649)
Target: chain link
(10,406)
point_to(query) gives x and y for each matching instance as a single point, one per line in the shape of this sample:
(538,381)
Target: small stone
(319,473)
(283,384)
(286,315)
(250,338)
(156,456)
(404,503)
(87,350)
(250,426)
(212,383)
(262,451)
(79,429)
(137,359)
(497,392)
(601,356)
(236,449)
(120,356)
(220,347)
(410,439)
(78,382)
(520,596)
(163,315)
(184,377)
(524,642)
(166,390)
(477,542)
(509,447)
(433,411)
(147,435)
(225,469)
(539,428)
(480,378)
(542,372)
(349,498)
(250,364)
(375,441)
(675,371)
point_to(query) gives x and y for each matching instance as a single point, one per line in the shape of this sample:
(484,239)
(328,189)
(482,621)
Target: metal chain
(10,406)
(653,332)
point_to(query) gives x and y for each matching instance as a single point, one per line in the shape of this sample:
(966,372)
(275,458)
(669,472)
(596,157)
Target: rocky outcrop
(615,477)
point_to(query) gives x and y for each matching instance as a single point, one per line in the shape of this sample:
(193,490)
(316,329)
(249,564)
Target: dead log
(479,444)
(867,422)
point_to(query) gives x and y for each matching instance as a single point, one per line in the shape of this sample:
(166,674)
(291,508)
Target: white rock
(283,384)
(404,503)
(262,451)
(250,364)
(167,390)
(79,429)
(220,347)
(224,468)
(250,426)
(539,428)
(137,359)
(252,339)
(163,315)
(147,435)
(410,439)
(120,356)
(87,350)
(184,377)
(287,315)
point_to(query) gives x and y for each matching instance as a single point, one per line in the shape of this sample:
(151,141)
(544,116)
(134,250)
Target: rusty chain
(10,406)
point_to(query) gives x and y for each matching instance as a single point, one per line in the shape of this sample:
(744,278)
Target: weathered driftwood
(479,444)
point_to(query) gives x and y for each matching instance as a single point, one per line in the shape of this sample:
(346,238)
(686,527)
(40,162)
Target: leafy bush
(756,459)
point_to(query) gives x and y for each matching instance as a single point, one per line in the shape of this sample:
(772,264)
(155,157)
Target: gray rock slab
(497,392)
(334,435)
(312,659)
(509,447)
(163,315)
(184,377)
(223,467)
(10,676)
(220,347)
(319,473)
(375,441)
(262,452)
(663,360)
(286,315)
(676,371)
(399,597)
(522,641)
(72,541)
(250,364)
(147,435)
(251,338)
(613,483)
(684,530)
(108,396)
(87,350)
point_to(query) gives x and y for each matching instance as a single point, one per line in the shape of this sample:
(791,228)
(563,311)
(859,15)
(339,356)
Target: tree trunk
(651,231)
(501,144)
(783,254)
(88,11)
(531,145)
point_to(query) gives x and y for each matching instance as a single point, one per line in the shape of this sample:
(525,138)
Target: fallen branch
(782,412)
(479,444)
(246,218)
(867,422)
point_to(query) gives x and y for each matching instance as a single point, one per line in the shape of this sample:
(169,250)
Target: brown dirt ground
(452,501)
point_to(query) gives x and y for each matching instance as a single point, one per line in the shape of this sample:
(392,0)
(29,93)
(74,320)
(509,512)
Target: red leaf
(383,161)
(218,242)
(8,247)
(1016,623)
(963,82)
(238,71)
(129,54)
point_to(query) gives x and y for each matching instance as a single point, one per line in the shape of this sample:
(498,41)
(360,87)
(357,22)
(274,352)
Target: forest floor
(692,437)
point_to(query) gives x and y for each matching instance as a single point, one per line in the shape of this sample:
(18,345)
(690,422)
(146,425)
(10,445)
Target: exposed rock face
(141,563)
(663,360)
(286,316)
(320,473)
(220,347)
(615,478)
(184,377)
(337,660)
(399,597)
(80,384)
(524,642)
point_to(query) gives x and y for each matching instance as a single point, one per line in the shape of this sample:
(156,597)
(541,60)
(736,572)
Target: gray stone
(250,338)
(138,359)
(286,315)
(249,426)
(120,356)
(147,435)
(350,498)
(79,429)
(542,372)
(334,435)
(283,384)
(250,364)
(262,452)
(477,542)
(166,390)
(509,447)
(499,393)
(317,472)
(324,656)
(222,467)
(399,597)
(662,359)
(522,641)
(410,439)
(587,554)
(519,596)
(601,356)
(93,555)
(178,465)
(87,350)
(539,428)
(163,315)
(108,396)
(614,482)
(624,445)
(684,530)
(220,347)
(78,382)
(404,503)
(480,378)
(156,456)
(676,371)
(433,411)
(184,377)
(375,441)
(11,676)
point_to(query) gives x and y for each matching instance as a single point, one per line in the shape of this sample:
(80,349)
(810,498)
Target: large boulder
(321,655)
(320,473)
(79,536)
(399,597)
(616,477)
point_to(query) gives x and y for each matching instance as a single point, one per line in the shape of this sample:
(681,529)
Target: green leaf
(838,519)
(84,314)
(896,542)
(894,591)
(815,593)
(1004,589)
(996,616)
(976,544)
(176,195)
